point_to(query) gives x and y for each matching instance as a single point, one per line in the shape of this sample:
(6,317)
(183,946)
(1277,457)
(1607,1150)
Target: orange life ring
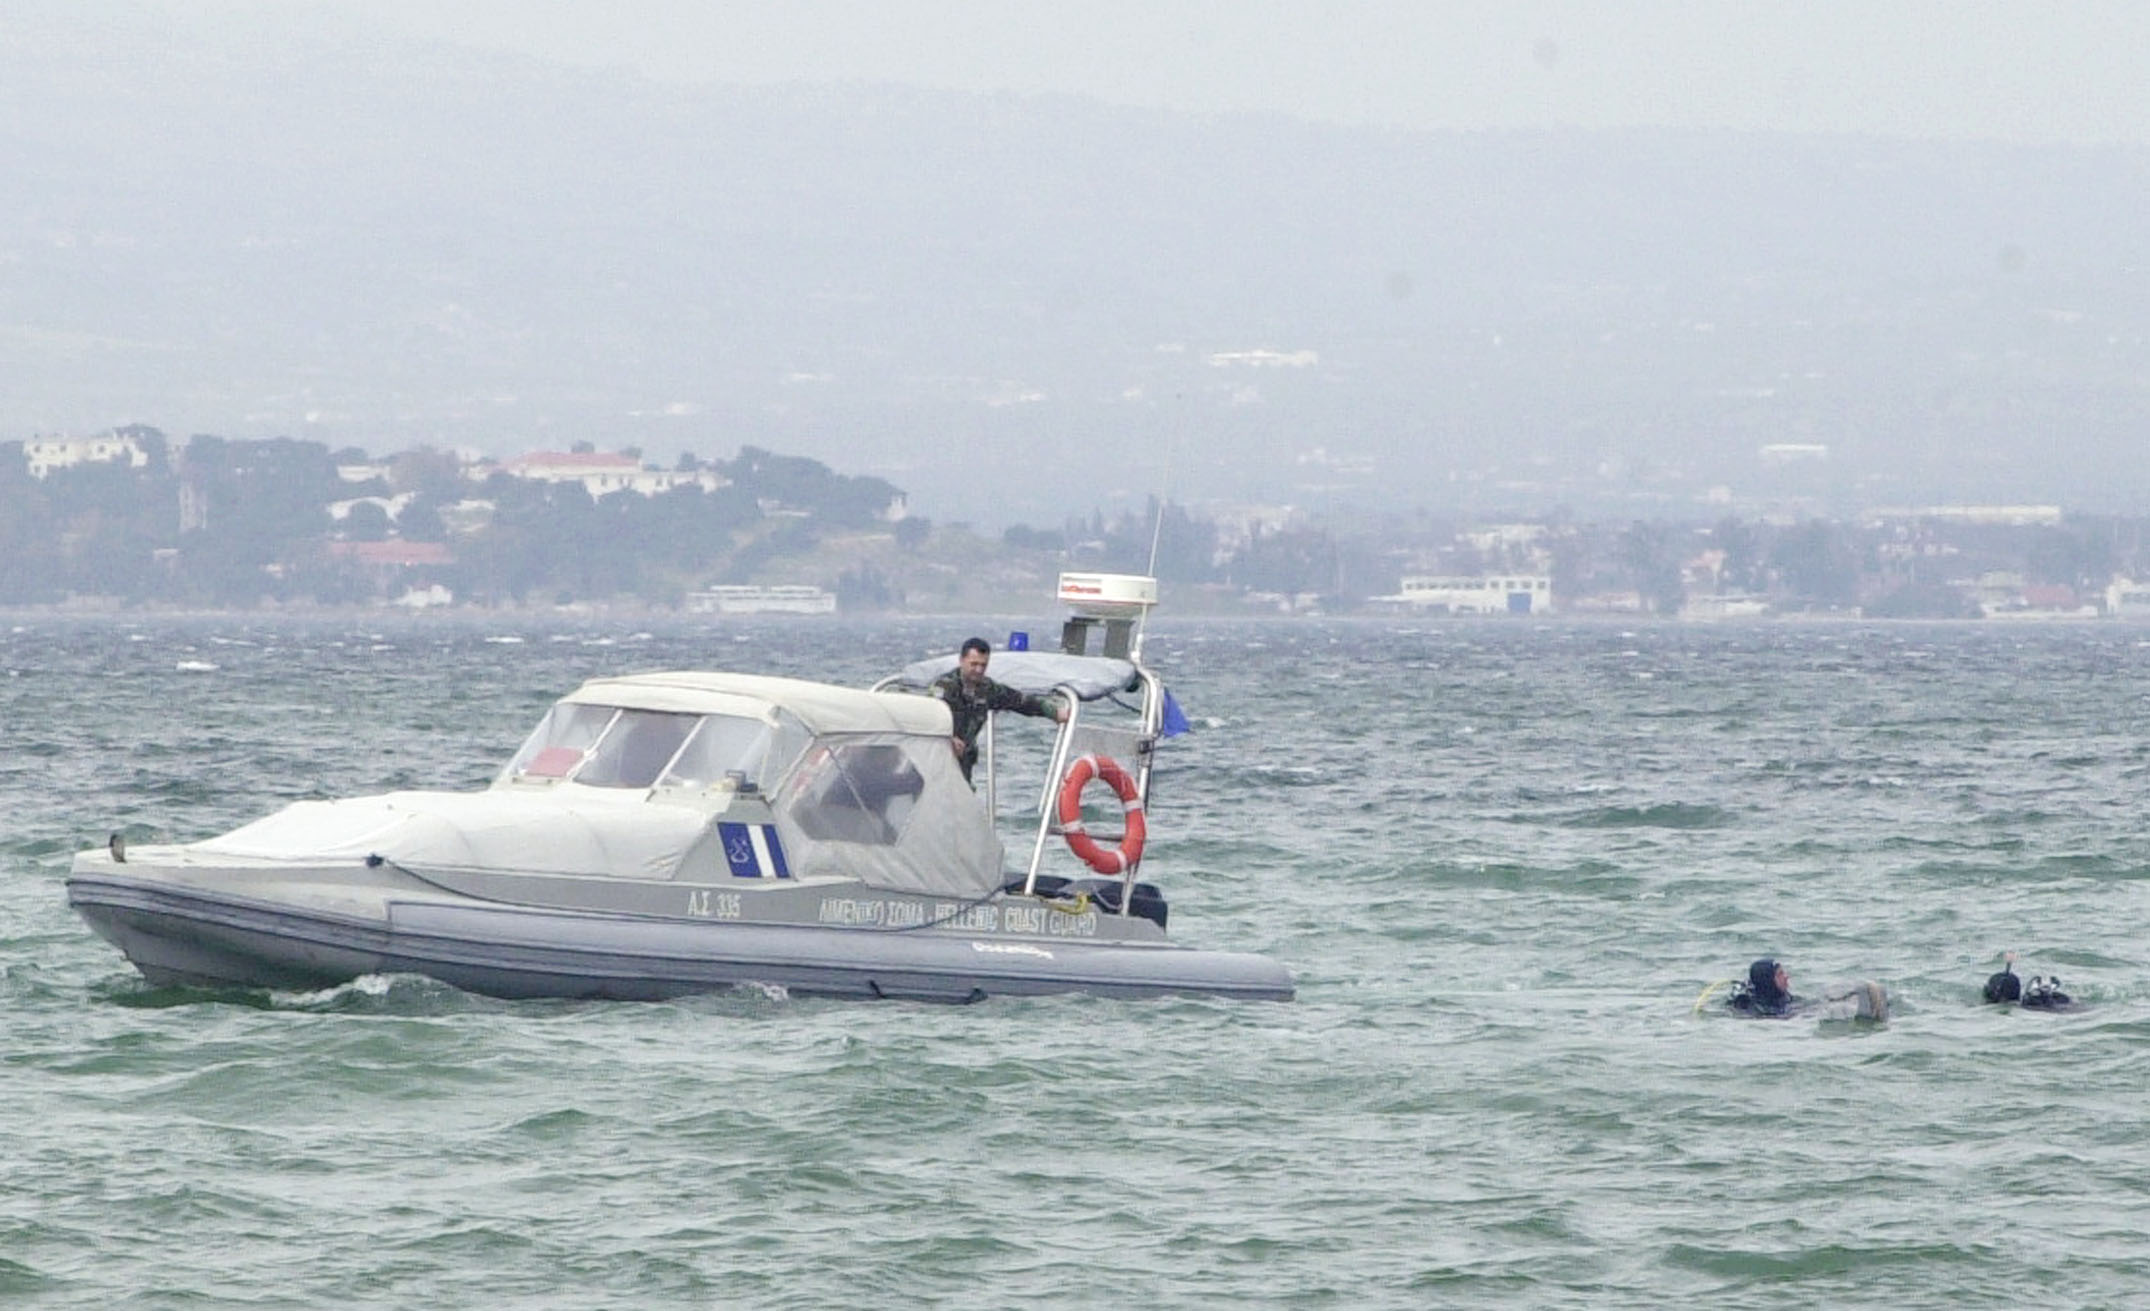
(1095,854)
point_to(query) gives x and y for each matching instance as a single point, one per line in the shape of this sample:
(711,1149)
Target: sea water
(1504,859)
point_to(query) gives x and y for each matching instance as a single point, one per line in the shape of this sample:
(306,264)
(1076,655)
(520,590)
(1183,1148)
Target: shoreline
(462,615)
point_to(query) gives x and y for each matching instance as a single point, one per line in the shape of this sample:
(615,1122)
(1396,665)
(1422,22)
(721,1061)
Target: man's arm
(1003,697)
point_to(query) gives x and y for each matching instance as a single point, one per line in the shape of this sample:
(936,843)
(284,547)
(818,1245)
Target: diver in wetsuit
(1767,992)
(2040,994)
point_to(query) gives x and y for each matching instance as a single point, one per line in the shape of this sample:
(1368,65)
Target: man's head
(2004,986)
(972,661)
(1768,980)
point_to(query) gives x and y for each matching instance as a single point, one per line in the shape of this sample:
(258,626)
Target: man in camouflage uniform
(972,698)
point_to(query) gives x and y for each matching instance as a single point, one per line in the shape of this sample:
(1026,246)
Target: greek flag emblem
(753,851)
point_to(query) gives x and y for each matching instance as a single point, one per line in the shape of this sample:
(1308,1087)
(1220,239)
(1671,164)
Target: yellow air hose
(1708,992)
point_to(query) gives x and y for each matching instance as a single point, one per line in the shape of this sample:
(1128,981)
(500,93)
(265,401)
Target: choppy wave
(1673,814)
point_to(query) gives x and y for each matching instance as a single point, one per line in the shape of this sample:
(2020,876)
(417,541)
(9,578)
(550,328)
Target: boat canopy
(649,777)
(821,707)
(1037,672)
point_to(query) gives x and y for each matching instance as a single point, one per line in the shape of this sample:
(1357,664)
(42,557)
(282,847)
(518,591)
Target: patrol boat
(669,833)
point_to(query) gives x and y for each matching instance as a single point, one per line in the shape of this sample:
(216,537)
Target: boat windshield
(556,747)
(635,750)
(610,747)
(731,746)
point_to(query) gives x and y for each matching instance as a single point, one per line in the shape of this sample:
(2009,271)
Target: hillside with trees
(218,523)
(224,523)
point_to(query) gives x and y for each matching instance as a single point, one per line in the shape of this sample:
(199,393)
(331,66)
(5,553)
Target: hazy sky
(1957,276)
(2028,70)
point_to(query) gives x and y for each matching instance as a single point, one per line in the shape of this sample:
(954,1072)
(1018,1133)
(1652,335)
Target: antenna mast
(1157,532)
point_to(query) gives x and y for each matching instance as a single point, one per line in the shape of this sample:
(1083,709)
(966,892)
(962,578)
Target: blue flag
(753,851)
(1174,721)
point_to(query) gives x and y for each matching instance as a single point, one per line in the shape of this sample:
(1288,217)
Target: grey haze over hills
(1022,307)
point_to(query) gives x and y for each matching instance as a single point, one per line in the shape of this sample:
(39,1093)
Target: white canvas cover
(822,707)
(1036,672)
(891,810)
(567,831)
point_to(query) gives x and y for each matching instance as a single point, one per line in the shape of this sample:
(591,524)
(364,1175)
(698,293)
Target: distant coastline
(129,521)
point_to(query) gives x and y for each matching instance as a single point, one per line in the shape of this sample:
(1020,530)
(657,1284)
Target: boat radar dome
(1115,602)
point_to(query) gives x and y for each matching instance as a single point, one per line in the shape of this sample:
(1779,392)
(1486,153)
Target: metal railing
(1142,739)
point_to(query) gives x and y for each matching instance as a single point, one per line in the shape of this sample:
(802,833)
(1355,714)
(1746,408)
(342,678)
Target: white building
(1263,359)
(467,516)
(1506,537)
(1778,453)
(1510,594)
(44,454)
(392,506)
(604,472)
(2017,516)
(750,599)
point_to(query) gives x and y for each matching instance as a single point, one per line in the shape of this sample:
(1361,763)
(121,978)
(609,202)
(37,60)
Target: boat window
(560,741)
(856,792)
(723,745)
(635,750)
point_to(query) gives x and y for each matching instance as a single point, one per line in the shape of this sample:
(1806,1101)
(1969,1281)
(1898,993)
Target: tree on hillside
(1652,554)
(366,522)
(2078,554)
(112,518)
(1742,547)
(1815,563)
(865,588)
(1185,547)
(799,483)
(155,447)
(431,473)
(256,507)
(421,521)
(30,566)
(1024,538)
(785,537)
(1289,560)
(269,491)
